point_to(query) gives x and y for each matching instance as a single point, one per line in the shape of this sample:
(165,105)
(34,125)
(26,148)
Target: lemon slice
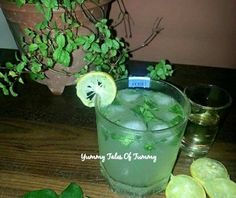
(184,186)
(204,169)
(220,187)
(94,84)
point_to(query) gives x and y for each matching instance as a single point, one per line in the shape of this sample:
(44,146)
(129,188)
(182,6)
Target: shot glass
(209,106)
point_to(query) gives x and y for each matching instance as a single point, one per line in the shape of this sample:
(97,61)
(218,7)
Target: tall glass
(140,162)
(209,104)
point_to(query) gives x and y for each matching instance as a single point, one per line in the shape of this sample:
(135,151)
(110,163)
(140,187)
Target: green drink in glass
(140,135)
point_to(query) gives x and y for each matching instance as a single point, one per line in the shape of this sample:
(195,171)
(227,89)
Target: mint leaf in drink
(146,110)
(176,108)
(123,139)
(179,114)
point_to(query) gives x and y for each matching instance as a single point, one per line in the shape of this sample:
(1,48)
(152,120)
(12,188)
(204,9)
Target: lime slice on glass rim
(93,84)
(184,186)
(205,169)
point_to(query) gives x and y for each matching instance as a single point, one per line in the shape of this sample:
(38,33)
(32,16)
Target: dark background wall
(199,32)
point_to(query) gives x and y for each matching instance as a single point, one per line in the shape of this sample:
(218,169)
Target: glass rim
(97,108)
(228,104)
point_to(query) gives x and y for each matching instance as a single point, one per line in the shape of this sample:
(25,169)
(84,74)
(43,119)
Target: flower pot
(27,17)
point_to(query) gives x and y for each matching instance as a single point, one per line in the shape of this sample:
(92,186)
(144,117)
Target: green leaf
(86,45)
(57,54)
(28,31)
(69,47)
(36,67)
(105,67)
(69,34)
(88,57)
(160,71)
(122,59)
(150,68)
(20,67)
(16,57)
(80,1)
(72,191)
(115,44)
(168,67)
(123,68)
(12,74)
(42,25)
(33,47)
(4,89)
(91,38)
(119,41)
(1,75)
(50,3)
(43,49)
(60,40)
(146,110)
(45,193)
(24,58)
(38,76)
(104,48)
(113,53)
(45,38)
(50,62)
(37,39)
(98,60)
(103,21)
(62,57)
(65,59)
(48,14)
(13,93)
(124,139)
(5,77)
(107,33)
(39,7)
(80,40)
(20,80)
(67,3)
(9,65)
(95,47)
(109,43)
(20,3)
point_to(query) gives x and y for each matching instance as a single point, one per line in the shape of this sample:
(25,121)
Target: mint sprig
(72,191)
(160,71)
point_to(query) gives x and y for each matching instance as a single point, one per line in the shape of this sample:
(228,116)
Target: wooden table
(42,137)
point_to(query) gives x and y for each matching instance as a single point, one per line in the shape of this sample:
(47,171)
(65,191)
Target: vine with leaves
(50,43)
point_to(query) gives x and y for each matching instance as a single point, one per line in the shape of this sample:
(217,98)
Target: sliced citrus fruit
(204,169)
(183,186)
(220,188)
(94,84)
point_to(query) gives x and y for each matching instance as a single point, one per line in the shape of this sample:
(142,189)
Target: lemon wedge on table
(184,186)
(205,169)
(94,84)
(220,188)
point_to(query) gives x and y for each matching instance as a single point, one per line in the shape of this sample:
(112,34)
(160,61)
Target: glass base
(132,191)
(195,151)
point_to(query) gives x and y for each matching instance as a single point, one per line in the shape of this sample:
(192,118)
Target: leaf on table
(72,191)
(45,193)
